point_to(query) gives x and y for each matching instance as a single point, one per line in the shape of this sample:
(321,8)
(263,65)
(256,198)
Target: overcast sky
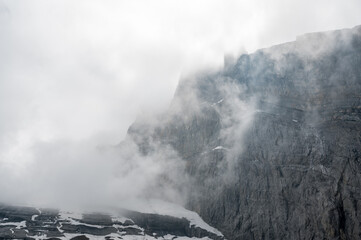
(81,71)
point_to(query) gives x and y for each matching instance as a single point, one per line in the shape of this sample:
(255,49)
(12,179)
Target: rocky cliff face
(272,143)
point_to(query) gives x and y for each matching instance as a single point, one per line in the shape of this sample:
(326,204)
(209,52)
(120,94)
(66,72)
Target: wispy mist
(75,75)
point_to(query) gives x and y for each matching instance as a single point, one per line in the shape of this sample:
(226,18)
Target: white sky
(83,70)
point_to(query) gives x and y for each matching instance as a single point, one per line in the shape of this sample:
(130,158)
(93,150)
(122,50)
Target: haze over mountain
(266,148)
(75,75)
(271,143)
(259,145)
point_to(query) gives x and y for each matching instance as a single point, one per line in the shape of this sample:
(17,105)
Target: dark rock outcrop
(280,158)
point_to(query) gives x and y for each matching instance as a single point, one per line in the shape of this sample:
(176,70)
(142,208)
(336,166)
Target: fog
(75,75)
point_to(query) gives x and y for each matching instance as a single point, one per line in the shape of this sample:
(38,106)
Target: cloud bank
(75,75)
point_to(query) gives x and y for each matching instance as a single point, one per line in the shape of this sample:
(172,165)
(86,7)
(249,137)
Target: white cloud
(79,70)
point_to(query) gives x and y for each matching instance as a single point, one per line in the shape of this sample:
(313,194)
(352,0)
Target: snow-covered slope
(151,219)
(156,206)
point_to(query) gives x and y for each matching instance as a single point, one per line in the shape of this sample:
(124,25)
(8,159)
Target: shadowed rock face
(294,171)
(32,223)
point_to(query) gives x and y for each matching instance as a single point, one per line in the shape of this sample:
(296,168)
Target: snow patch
(219,148)
(160,207)
(38,209)
(17,224)
(218,102)
(120,219)
(74,218)
(40,237)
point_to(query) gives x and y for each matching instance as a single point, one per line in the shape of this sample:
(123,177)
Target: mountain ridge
(285,139)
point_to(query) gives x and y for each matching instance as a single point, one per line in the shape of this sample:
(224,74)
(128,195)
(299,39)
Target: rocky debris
(294,170)
(32,223)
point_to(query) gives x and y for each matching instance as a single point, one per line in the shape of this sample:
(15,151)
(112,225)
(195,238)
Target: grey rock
(297,174)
